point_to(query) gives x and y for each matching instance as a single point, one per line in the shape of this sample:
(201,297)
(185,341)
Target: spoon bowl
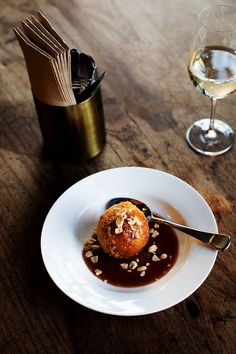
(219,242)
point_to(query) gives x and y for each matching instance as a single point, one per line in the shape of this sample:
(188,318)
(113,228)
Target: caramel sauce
(109,269)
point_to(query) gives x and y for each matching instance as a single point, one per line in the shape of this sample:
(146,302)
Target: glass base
(208,141)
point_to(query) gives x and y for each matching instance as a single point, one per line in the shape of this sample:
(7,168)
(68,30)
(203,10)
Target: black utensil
(90,90)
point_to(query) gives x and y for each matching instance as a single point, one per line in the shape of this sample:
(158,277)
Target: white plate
(73,217)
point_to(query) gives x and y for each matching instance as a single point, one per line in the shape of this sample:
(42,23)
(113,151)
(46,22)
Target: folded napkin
(48,61)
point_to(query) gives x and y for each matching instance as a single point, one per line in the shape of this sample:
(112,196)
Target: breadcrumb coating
(123,230)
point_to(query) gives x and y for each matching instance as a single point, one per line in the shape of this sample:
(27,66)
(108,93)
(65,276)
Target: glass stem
(213,109)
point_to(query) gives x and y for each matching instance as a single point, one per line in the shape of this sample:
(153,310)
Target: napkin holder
(74,132)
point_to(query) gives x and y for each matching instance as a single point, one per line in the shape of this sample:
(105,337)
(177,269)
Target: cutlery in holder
(70,114)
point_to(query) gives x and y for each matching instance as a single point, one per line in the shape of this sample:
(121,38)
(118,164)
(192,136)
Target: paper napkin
(48,61)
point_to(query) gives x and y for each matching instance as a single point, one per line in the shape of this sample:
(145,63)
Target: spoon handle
(218,241)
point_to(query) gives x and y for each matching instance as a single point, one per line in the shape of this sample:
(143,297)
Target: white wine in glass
(212,69)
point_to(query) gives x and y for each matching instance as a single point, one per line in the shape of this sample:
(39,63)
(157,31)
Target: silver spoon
(218,241)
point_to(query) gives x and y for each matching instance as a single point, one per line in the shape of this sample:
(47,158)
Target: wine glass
(212,69)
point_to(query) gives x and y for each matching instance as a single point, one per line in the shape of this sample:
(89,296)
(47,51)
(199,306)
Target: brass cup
(75,132)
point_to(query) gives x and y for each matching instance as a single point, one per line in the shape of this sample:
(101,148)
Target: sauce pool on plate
(153,262)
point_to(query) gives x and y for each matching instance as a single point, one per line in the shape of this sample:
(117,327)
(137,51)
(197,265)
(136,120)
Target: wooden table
(149,102)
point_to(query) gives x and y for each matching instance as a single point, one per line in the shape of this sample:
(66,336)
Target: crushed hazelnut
(90,241)
(121,216)
(95,247)
(118,230)
(124,265)
(155,258)
(135,233)
(152,249)
(155,233)
(98,271)
(133,265)
(88,254)
(94,259)
(141,269)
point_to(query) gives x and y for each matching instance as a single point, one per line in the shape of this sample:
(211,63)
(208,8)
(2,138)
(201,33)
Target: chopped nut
(118,230)
(137,221)
(95,247)
(163,256)
(155,233)
(135,233)
(155,258)
(124,265)
(94,259)
(151,231)
(131,222)
(121,216)
(98,271)
(152,249)
(156,226)
(142,273)
(147,264)
(133,265)
(142,268)
(119,221)
(90,241)
(121,212)
(88,254)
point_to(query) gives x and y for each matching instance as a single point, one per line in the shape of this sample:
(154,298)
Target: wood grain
(149,102)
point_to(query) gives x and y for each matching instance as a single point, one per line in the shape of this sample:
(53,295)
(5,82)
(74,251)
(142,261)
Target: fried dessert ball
(123,230)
